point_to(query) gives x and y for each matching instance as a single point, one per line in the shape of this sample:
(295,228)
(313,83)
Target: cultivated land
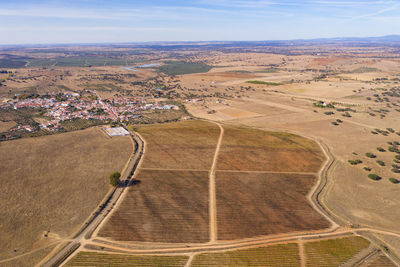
(333,252)
(181,215)
(166,206)
(181,145)
(269,209)
(278,255)
(101,259)
(254,150)
(53,184)
(342,94)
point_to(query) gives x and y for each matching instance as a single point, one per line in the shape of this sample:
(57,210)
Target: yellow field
(278,255)
(103,259)
(333,252)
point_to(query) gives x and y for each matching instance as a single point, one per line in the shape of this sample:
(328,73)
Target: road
(104,209)
(212,193)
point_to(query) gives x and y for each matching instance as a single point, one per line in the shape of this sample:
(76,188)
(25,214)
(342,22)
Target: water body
(134,68)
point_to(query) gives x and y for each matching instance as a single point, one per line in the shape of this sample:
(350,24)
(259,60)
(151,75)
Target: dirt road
(212,192)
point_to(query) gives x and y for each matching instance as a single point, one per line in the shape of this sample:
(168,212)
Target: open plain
(289,150)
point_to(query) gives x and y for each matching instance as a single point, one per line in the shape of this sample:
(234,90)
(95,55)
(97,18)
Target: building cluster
(71,106)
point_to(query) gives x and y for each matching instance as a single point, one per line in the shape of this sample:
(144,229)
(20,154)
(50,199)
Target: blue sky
(91,21)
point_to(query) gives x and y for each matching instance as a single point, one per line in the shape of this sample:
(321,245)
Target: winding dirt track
(212,193)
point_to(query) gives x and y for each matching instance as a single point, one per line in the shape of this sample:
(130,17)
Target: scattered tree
(374,177)
(370,155)
(115,178)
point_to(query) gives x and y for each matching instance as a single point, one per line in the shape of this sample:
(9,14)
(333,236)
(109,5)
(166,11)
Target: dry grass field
(183,145)
(277,255)
(255,204)
(333,252)
(123,260)
(166,206)
(250,149)
(53,183)
(30,259)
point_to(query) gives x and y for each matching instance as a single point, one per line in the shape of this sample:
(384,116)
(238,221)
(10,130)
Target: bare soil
(184,145)
(250,149)
(257,204)
(166,206)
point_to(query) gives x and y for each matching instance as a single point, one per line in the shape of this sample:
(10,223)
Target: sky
(118,21)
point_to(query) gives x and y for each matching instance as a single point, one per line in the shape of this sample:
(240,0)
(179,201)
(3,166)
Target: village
(57,108)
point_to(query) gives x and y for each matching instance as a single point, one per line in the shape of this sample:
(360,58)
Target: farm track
(212,193)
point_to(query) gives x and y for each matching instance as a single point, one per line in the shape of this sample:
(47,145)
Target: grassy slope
(54,183)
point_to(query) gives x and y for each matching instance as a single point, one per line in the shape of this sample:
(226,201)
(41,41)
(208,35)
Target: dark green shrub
(374,177)
(370,155)
(355,161)
(367,169)
(395,170)
(380,162)
(380,149)
(394,180)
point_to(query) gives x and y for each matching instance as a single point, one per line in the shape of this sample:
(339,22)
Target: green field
(181,67)
(278,255)
(103,259)
(74,61)
(264,83)
(333,252)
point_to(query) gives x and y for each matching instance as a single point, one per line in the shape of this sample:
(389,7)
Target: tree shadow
(128,183)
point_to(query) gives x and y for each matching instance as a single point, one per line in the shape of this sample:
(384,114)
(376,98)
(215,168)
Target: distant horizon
(338,38)
(27,22)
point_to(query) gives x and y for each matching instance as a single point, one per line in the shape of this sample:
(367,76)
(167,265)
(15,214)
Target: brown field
(333,252)
(381,261)
(249,149)
(53,183)
(278,255)
(258,204)
(183,145)
(123,260)
(167,206)
(6,125)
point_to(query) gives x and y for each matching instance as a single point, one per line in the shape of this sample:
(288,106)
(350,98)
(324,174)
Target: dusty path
(302,254)
(212,192)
